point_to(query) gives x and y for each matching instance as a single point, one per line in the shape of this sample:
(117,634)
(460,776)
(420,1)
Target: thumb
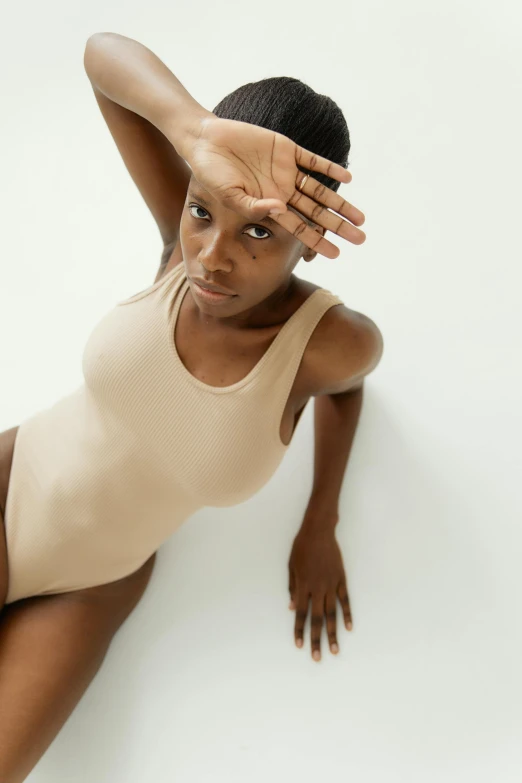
(251,207)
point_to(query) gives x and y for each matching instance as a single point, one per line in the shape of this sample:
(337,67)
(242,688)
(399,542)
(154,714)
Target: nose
(214,258)
(212,264)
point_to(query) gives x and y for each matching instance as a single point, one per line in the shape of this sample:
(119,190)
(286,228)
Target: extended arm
(316,569)
(353,348)
(335,422)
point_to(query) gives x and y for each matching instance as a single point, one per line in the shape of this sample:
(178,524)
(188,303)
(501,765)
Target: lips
(207,285)
(211,296)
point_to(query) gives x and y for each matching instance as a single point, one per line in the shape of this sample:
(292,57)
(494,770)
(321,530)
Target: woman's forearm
(335,422)
(130,74)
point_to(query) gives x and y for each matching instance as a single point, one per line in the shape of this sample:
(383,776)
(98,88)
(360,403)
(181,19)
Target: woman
(193,387)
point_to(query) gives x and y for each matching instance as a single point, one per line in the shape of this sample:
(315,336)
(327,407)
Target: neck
(271,311)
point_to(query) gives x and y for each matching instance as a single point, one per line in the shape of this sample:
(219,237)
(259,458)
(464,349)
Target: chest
(224,359)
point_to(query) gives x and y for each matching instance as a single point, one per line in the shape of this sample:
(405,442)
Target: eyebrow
(205,202)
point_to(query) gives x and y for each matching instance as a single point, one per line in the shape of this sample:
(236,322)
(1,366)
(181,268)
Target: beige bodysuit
(101,479)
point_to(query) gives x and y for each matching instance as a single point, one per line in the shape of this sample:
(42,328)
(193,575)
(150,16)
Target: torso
(223,367)
(219,369)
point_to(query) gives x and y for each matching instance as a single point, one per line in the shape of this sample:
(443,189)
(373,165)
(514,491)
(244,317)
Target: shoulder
(345,347)
(170,257)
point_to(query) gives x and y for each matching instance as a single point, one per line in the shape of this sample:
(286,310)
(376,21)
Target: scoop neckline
(180,294)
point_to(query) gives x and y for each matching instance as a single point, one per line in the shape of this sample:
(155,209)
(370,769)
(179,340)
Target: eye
(195,206)
(251,228)
(259,228)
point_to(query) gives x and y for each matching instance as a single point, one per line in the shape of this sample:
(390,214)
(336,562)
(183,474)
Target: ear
(310,254)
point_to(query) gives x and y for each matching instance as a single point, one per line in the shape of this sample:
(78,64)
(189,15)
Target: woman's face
(253,259)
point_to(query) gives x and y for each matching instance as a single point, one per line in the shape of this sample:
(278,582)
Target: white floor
(203,683)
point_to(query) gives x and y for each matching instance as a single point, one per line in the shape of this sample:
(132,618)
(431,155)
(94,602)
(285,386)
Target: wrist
(320,517)
(183,134)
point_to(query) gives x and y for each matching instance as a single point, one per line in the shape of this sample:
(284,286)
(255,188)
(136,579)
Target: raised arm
(151,118)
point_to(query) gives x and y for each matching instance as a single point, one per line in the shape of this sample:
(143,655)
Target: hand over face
(316,572)
(253,170)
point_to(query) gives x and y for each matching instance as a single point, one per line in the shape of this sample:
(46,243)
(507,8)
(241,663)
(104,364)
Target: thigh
(51,647)
(108,604)
(80,621)
(114,601)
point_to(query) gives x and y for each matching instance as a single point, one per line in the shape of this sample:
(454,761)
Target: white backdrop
(203,683)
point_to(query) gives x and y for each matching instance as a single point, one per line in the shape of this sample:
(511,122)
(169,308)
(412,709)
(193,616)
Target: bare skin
(46,664)
(51,647)
(220,363)
(29,627)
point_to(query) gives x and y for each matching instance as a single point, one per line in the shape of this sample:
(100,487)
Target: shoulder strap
(289,346)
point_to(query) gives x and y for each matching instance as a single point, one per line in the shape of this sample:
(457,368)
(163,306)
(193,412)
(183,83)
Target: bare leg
(50,649)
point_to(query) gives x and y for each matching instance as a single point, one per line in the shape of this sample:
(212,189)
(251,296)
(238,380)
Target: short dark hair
(288,106)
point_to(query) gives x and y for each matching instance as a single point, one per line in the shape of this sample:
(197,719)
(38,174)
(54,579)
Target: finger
(306,234)
(309,160)
(291,588)
(331,621)
(329,220)
(317,625)
(302,601)
(345,603)
(314,199)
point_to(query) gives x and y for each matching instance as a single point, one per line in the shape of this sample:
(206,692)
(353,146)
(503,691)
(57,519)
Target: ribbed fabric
(101,479)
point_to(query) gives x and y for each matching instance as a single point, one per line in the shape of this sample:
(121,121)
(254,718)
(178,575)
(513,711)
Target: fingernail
(299,642)
(349,626)
(317,655)
(334,648)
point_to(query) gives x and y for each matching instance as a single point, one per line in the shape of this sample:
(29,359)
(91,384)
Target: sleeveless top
(100,479)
